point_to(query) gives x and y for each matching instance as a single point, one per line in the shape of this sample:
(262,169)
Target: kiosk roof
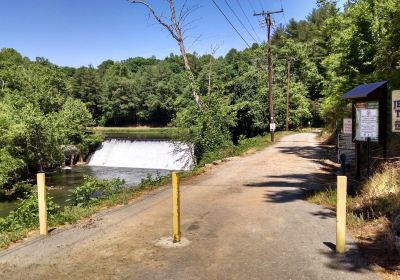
(363,91)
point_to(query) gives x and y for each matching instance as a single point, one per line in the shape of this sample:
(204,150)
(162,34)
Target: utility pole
(267,16)
(288,94)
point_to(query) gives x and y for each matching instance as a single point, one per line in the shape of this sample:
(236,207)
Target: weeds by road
(369,216)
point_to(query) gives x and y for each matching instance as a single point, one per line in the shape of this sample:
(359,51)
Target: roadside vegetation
(95,195)
(373,217)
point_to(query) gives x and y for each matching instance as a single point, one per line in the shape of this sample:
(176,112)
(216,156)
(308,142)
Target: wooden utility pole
(267,16)
(288,95)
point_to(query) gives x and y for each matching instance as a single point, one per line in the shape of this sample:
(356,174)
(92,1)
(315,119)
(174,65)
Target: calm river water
(134,157)
(59,183)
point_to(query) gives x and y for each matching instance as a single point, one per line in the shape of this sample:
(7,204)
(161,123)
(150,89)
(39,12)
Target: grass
(325,197)
(136,132)
(371,217)
(245,146)
(380,196)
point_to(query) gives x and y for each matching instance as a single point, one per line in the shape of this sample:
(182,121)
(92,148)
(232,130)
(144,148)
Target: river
(129,159)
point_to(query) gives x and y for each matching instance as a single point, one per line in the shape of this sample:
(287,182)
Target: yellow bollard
(41,184)
(176,221)
(341,214)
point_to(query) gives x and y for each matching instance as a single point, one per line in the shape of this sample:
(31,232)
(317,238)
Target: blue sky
(83,32)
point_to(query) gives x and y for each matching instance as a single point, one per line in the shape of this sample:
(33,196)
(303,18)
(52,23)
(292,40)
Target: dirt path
(245,219)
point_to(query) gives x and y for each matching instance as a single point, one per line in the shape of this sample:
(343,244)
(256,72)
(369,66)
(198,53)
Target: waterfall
(143,154)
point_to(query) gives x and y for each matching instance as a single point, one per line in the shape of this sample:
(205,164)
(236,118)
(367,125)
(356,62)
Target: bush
(152,181)
(208,128)
(94,189)
(26,215)
(22,189)
(3,195)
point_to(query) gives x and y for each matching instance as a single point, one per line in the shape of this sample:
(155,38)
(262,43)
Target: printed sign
(396,111)
(367,117)
(369,123)
(272,127)
(345,142)
(347,148)
(373,105)
(347,126)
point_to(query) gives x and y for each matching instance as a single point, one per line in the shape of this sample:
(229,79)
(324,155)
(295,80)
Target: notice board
(396,111)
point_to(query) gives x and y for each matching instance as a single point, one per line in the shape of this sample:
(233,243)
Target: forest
(45,109)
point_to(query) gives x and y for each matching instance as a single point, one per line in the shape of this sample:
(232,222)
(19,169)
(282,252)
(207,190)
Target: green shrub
(151,181)
(26,215)
(3,195)
(94,189)
(208,129)
(22,189)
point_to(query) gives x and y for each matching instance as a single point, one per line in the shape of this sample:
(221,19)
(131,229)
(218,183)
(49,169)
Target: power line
(216,5)
(261,5)
(248,20)
(283,14)
(237,17)
(251,5)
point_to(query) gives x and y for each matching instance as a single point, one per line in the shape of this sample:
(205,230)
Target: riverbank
(73,214)
(136,132)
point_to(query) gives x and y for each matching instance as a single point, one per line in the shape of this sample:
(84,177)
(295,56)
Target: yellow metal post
(176,221)
(41,184)
(341,214)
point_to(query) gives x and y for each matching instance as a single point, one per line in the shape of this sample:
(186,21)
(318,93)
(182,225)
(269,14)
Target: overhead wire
(239,20)
(251,5)
(227,19)
(261,5)
(283,14)
(248,20)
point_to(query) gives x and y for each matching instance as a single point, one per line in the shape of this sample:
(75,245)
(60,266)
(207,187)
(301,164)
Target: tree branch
(175,29)
(157,17)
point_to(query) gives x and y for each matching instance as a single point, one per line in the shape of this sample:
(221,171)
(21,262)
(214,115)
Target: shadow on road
(292,187)
(313,153)
(350,261)
(327,214)
(288,187)
(298,183)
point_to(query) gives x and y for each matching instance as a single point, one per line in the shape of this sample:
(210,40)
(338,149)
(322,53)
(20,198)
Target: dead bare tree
(175,26)
(213,50)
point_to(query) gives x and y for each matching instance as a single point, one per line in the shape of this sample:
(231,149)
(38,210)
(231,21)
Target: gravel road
(244,219)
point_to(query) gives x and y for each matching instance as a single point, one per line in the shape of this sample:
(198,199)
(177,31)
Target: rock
(231,158)
(249,152)
(217,162)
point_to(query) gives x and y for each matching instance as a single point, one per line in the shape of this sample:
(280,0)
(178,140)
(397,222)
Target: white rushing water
(143,154)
